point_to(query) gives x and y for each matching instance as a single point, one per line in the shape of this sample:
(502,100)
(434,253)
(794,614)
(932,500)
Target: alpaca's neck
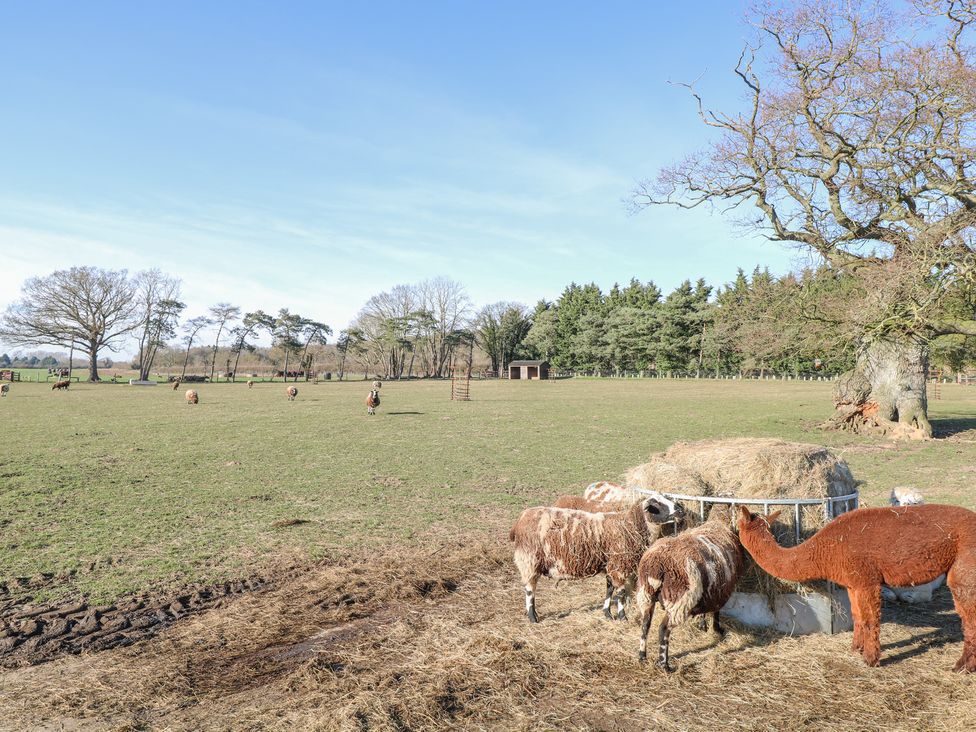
(794,564)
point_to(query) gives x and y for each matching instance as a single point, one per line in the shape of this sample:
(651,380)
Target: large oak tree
(84,307)
(858,143)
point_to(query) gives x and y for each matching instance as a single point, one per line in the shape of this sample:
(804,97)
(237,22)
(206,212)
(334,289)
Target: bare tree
(191,328)
(448,307)
(83,306)
(858,144)
(221,314)
(158,306)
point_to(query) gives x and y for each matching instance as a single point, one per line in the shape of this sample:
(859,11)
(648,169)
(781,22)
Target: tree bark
(886,390)
(93,362)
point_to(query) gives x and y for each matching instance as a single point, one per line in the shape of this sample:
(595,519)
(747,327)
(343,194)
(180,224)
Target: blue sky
(308,155)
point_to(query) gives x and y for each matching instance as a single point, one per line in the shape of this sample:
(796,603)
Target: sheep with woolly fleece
(906,496)
(584,504)
(4,389)
(693,573)
(60,385)
(191,396)
(176,384)
(250,384)
(563,543)
(292,392)
(604,490)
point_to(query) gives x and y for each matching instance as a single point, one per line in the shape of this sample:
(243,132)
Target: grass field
(133,489)
(116,490)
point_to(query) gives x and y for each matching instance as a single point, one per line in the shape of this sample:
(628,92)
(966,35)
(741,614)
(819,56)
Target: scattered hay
(438,640)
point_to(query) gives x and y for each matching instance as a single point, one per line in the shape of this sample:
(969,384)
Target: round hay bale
(751,468)
(745,468)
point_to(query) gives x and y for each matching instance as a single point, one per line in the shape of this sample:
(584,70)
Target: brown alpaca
(863,549)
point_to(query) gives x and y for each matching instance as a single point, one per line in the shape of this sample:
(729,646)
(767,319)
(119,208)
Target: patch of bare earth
(437,639)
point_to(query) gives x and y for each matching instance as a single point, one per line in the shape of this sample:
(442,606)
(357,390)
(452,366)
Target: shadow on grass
(393,414)
(949,426)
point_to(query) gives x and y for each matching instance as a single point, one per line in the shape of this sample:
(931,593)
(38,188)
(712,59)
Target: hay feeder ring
(823,608)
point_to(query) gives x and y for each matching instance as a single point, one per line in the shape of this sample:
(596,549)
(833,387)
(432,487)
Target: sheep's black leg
(530,602)
(664,638)
(608,599)
(621,594)
(645,627)
(717,625)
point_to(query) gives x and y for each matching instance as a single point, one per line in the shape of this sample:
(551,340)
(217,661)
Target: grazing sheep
(250,384)
(904,496)
(292,392)
(372,401)
(604,490)
(4,389)
(692,573)
(61,385)
(583,504)
(564,543)
(192,397)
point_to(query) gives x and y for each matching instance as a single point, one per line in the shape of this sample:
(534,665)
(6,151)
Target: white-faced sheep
(292,392)
(192,397)
(250,384)
(4,389)
(564,543)
(604,490)
(693,573)
(905,496)
(372,402)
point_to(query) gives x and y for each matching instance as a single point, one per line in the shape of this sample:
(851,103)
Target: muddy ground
(437,639)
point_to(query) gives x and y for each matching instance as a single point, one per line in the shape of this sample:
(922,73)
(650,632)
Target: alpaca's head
(752,523)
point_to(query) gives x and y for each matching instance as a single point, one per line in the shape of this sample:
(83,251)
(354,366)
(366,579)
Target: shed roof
(528,363)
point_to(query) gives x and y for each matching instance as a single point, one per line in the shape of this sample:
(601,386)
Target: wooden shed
(528,370)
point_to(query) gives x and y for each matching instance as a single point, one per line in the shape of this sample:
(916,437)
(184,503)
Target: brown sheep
(292,392)
(176,385)
(4,389)
(372,402)
(61,385)
(693,573)
(192,397)
(250,384)
(564,543)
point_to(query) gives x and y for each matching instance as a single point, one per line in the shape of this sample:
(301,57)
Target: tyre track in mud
(33,633)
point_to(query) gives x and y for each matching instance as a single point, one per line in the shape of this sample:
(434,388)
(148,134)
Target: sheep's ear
(745,515)
(771,518)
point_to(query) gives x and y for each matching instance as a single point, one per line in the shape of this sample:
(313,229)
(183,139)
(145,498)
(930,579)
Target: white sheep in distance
(906,496)
(563,543)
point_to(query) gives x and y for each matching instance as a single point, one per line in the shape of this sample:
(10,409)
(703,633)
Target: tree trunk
(886,390)
(93,362)
(186,358)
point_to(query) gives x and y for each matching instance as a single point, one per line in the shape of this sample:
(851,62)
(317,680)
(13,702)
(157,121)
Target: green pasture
(134,490)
